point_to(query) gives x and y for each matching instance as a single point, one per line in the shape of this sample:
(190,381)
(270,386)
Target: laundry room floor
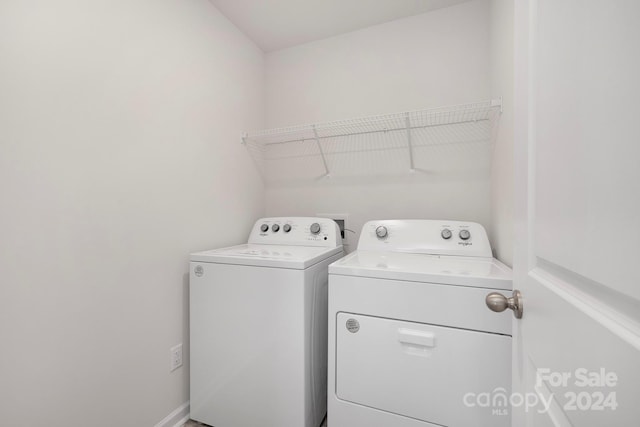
(192,423)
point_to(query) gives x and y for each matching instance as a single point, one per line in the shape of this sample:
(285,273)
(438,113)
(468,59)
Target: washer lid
(280,256)
(440,269)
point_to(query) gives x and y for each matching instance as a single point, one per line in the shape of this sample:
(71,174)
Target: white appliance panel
(240,349)
(258,345)
(290,256)
(420,371)
(425,237)
(447,270)
(303,231)
(454,306)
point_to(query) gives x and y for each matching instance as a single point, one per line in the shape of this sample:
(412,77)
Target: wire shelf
(376,145)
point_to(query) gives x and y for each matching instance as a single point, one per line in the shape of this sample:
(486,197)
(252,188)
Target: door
(577,140)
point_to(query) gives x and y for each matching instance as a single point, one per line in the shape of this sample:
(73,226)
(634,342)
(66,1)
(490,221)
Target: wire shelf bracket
(324,159)
(408,121)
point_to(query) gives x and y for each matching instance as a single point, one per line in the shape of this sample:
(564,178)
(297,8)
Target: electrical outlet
(175,357)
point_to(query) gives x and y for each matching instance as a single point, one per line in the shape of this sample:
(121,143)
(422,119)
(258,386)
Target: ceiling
(278,24)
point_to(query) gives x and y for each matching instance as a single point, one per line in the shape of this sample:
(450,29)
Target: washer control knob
(286,228)
(315,228)
(264,228)
(446,234)
(382,232)
(464,234)
(275,228)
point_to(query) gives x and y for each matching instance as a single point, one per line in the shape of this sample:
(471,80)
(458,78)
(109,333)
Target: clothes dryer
(411,340)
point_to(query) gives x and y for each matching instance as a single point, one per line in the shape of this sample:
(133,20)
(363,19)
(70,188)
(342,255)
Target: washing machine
(258,326)
(411,340)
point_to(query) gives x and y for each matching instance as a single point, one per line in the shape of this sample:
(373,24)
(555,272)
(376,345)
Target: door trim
(607,311)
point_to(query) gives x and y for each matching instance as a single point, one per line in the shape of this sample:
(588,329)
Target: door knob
(499,303)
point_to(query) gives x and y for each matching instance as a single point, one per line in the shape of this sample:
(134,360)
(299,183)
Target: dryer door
(446,376)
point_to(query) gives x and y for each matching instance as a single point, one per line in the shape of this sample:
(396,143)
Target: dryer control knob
(264,228)
(382,232)
(286,228)
(464,234)
(315,228)
(446,233)
(275,228)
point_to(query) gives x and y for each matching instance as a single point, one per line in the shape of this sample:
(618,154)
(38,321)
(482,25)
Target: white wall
(119,155)
(430,60)
(502,173)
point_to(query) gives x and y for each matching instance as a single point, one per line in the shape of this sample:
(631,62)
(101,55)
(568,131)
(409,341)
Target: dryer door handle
(416,337)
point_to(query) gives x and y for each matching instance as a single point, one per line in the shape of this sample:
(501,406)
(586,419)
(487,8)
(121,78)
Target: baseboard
(176,418)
